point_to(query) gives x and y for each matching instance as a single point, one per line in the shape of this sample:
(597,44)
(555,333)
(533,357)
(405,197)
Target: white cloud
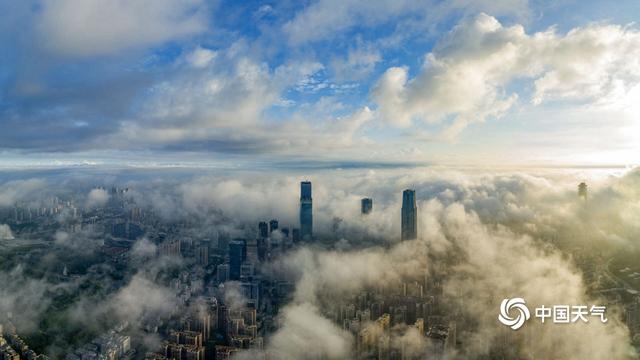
(325,19)
(106,27)
(157,299)
(143,249)
(5,232)
(97,198)
(305,331)
(207,104)
(201,57)
(358,63)
(593,62)
(23,297)
(466,76)
(492,225)
(20,190)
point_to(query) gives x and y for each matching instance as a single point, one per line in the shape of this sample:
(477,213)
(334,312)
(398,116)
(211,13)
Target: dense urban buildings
(210,323)
(224,293)
(195,180)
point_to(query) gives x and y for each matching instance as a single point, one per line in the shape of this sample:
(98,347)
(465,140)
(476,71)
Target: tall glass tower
(237,255)
(366,205)
(409,215)
(306,211)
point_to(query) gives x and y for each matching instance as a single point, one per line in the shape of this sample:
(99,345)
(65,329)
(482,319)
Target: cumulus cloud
(5,232)
(22,297)
(327,18)
(20,190)
(208,105)
(465,78)
(233,296)
(123,90)
(97,198)
(498,264)
(84,242)
(232,196)
(485,263)
(127,302)
(140,297)
(484,235)
(357,65)
(100,27)
(201,57)
(305,334)
(143,249)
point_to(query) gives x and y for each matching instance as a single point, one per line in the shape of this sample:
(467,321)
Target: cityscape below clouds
(322,180)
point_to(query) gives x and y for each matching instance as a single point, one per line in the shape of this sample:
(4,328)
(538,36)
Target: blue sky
(233,83)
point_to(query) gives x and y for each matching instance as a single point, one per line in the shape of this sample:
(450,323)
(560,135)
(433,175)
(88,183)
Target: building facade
(306,211)
(409,215)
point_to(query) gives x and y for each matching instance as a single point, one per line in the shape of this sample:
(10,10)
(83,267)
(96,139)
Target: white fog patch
(5,232)
(97,198)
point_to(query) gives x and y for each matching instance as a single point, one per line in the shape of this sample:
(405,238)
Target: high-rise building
(306,211)
(237,255)
(409,215)
(262,249)
(582,190)
(223,241)
(252,251)
(222,272)
(263,229)
(273,225)
(202,253)
(367,205)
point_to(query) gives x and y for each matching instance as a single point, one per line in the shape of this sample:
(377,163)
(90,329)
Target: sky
(308,83)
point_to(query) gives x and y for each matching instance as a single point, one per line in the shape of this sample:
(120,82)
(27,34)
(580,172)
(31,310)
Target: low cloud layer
(485,235)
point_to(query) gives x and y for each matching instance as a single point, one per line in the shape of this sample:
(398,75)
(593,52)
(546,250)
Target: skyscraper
(237,255)
(582,191)
(273,226)
(263,229)
(409,215)
(367,205)
(306,211)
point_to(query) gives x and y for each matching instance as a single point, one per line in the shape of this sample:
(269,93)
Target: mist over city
(322,180)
